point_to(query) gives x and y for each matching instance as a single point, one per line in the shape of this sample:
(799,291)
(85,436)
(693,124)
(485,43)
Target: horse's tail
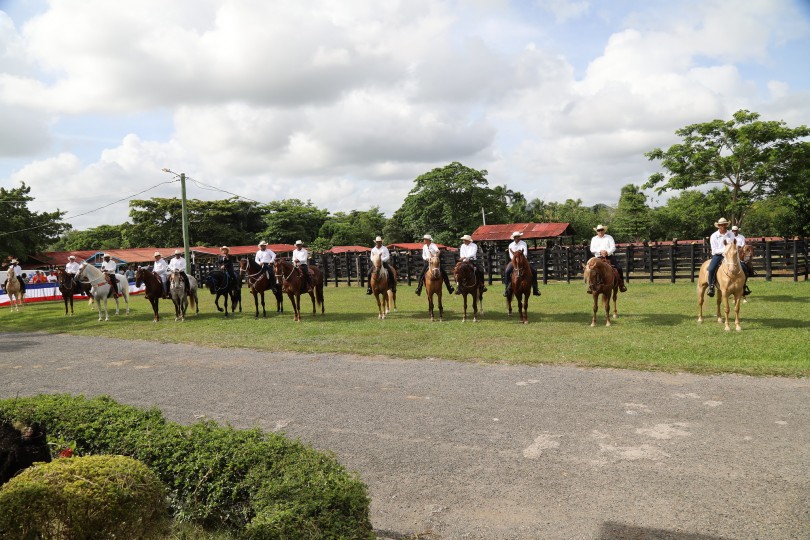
(192,300)
(319,294)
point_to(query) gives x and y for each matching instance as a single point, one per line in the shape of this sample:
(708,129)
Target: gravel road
(467,451)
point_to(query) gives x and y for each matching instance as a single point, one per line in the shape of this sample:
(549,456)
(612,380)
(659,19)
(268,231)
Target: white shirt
(606,243)
(468,251)
(518,245)
(160,267)
(265,255)
(52,278)
(740,239)
(300,256)
(429,249)
(716,241)
(109,266)
(72,267)
(177,264)
(17,270)
(382,251)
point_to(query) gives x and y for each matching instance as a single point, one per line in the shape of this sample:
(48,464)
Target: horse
(101,288)
(222,283)
(602,279)
(154,288)
(14,291)
(257,283)
(521,286)
(182,297)
(380,284)
(729,282)
(747,257)
(290,279)
(69,287)
(433,285)
(467,282)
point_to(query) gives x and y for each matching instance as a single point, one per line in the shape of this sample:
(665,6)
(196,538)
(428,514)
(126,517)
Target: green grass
(657,329)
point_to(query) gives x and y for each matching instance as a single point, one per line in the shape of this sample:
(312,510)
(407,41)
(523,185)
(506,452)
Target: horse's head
(435,260)
(747,253)
(376,260)
(243,264)
(139,273)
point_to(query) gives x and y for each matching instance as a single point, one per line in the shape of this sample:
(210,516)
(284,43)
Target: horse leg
(719,300)
(441,307)
(615,295)
(606,302)
(464,319)
(738,298)
(312,296)
(65,298)
(256,302)
(264,309)
(595,295)
(379,306)
(430,306)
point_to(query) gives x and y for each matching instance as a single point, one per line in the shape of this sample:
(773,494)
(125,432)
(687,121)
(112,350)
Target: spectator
(52,277)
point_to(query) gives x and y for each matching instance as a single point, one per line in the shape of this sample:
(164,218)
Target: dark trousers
(392,282)
(305,271)
(267,268)
(716,260)
(113,282)
(425,269)
(612,260)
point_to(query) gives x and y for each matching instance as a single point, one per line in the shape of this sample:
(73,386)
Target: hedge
(261,484)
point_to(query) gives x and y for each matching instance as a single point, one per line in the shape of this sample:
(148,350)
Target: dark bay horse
(433,285)
(69,287)
(291,281)
(522,279)
(154,288)
(223,284)
(381,281)
(467,283)
(257,283)
(602,279)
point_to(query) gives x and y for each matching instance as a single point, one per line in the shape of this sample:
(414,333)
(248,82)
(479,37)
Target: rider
(300,258)
(265,258)
(71,269)
(428,250)
(518,245)
(159,268)
(385,256)
(749,272)
(15,265)
(468,251)
(718,245)
(603,245)
(178,264)
(108,267)
(225,262)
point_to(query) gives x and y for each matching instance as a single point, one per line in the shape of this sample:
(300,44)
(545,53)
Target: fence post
(489,267)
(692,262)
(768,266)
(795,259)
(672,265)
(545,265)
(650,260)
(408,266)
(628,259)
(361,276)
(805,251)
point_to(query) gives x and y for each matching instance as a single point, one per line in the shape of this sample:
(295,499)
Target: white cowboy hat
(721,221)
(467,237)
(517,233)
(735,228)
(15,261)
(427,237)
(299,243)
(72,257)
(178,252)
(262,243)
(157,254)
(106,255)
(600,226)
(378,239)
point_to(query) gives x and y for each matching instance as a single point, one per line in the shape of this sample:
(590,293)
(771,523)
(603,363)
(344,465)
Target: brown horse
(291,281)
(69,287)
(467,283)
(522,278)
(15,294)
(602,279)
(257,283)
(380,284)
(729,282)
(747,257)
(154,288)
(433,285)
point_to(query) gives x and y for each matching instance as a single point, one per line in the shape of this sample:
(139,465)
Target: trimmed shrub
(261,484)
(84,498)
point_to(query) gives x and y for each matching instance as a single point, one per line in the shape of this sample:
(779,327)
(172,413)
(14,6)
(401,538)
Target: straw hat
(72,257)
(225,248)
(517,233)
(157,254)
(178,252)
(600,226)
(106,255)
(378,239)
(15,261)
(262,243)
(467,237)
(427,237)
(735,228)
(721,221)
(299,243)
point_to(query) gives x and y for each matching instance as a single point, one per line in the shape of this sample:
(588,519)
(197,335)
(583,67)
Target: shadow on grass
(777,323)
(778,298)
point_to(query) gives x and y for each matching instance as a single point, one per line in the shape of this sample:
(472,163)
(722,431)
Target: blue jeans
(716,260)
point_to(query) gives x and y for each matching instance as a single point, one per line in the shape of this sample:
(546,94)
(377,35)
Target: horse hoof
(607,324)
(700,319)
(593,324)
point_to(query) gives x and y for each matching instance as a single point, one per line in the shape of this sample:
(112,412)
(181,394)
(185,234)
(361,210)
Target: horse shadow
(779,298)
(611,530)
(779,323)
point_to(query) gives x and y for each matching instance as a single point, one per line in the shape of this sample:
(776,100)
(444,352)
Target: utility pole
(483,216)
(185,220)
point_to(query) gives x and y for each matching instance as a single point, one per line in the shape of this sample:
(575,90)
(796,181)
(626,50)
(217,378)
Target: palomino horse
(467,282)
(69,287)
(521,285)
(602,280)
(729,282)
(14,291)
(153,288)
(257,283)
(101,289)
(433,285)
(380,284)
(291,281)
(182,297)
(222,283)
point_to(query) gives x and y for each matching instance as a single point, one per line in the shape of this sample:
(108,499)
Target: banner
(48,292)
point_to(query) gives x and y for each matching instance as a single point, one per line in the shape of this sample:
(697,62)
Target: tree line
(754,172)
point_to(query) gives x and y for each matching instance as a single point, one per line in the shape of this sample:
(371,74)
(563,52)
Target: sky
(346,102)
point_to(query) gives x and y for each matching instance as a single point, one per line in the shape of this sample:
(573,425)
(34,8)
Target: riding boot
(418,290)
(622,287)
(508,292)
(536,291)
(710,292)
(368,290)
(458,291)
(746,290)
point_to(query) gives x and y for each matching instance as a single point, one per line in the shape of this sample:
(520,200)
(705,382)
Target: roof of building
(141,255)
(414,246)
(529,230)
(348,249)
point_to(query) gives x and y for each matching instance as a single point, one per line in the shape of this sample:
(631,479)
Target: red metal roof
(243,250)
(414,246)
(140,255)
(348,249)
(529,230)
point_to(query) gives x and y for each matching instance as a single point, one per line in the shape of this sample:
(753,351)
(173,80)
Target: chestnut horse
(154,288)
(257,283)
(433,285)
(467,282)
(729,282)
(69,287)
(14,290)
(380,284)
(602,280)
(291,281)
(522,278)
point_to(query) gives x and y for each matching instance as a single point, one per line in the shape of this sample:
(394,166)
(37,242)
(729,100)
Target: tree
(581,218)
(23,232)
(99,238)
(631,223)
(357,228)
(291,219)
(753,158)
(690,215)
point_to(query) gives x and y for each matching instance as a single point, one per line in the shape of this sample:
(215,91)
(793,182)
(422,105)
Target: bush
(254,482)
(83,498)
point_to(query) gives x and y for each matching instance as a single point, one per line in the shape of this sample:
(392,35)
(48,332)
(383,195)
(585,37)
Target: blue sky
(346,103)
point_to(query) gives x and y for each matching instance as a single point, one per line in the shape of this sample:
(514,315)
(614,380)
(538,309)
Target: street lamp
(484,215)
(184,213)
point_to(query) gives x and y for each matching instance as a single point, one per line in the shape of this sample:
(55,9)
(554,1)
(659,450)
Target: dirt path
(484,452)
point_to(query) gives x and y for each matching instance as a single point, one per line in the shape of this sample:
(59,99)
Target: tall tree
(291,219)
(631,223)
(98,238)
(356,228)
(23,232)
(753,158)
(690,215)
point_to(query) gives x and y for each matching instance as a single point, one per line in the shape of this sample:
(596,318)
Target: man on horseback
(178,264)
(518,245)
(717,242)
(225,262)
(71,269)
(108,267)
(300,258)
(385,256)
(603,245)
(159,269)
(15,265)
(749,272)
(265,258)
(468,252)
(428,250)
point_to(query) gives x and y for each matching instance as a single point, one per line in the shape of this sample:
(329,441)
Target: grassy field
(657,329)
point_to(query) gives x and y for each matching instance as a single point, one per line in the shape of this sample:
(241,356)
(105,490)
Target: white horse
(101,290)
(14,291)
